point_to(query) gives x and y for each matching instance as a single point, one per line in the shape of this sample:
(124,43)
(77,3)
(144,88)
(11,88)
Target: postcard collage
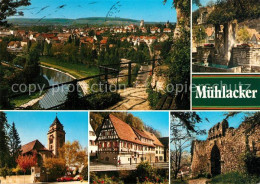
(130,92)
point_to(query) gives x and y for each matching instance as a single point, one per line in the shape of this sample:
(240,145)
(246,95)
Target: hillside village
(96,36)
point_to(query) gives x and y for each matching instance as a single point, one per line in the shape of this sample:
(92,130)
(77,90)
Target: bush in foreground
(235,178)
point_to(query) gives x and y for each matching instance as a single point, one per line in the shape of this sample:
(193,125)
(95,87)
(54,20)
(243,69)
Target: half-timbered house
(119,143)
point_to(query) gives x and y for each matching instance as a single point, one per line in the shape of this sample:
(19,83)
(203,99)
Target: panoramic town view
(95,55)
(215,147)
(43,147)
(226,36)
(127,148)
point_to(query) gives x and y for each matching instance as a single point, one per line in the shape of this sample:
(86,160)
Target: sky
(35,125)
(214,118)
(147,10)
(158,120)
(203,3)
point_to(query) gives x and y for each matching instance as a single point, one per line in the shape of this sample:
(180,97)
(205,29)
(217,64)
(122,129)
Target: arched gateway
(215,161)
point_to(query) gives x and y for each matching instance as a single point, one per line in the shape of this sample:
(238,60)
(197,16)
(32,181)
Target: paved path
(135,98)
(105,167)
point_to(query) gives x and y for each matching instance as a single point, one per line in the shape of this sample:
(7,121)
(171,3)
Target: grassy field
(235,178)
(75,69)
(20,100)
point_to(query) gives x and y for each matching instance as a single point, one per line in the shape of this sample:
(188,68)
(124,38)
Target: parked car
(65,178)
(77,178)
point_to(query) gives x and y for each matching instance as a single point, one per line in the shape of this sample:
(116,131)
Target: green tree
(10,8)
(47,49)
(14,144)
(4,149)
(73,154)
(182,131)
(32,68)
(199,34)
(228,10)
(243,35)
(4,54)
(56,167)
(73,100)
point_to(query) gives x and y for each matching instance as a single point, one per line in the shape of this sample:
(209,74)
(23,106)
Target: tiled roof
(34,145)
(154,138)
(141,133)
(125,131)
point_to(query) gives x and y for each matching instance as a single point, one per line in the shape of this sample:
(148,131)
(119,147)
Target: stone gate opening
(215,161)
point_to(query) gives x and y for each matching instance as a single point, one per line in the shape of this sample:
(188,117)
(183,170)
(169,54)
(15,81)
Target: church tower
(56,136)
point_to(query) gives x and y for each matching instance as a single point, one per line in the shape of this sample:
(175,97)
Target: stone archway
(215,161)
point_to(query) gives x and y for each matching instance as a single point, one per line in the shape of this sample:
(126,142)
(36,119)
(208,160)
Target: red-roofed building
(167,30)
(37,147)
(56,139)
(119,143)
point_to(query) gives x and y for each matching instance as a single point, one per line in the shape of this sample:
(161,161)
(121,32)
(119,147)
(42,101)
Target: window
(105,144)
(160,158)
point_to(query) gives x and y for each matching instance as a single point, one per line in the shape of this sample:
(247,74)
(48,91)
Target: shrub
(102,100)
(56,168)
(5,171)
(252,163)
(235,178)
(84,173)
(153,97)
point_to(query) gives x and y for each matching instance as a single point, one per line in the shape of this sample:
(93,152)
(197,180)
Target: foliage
(228,10)
(199,33)
(4,55)
(130,177)
(14,144)
(10,8)
(243,35)
(235,178)
(144,170)
(102,100)
(188,120)
(182,130)
(5,171)
(180,69)
(153,97)
(252,163)
(56,167)
(73,154)
(25,162)
(73,100)
(84,172)
(4,150)
(184,7)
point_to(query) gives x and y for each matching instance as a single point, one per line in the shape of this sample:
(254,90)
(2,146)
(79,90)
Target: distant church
(56,139)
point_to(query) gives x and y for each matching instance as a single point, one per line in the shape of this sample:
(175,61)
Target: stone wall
(17,179)
(231,146)
(247,57)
